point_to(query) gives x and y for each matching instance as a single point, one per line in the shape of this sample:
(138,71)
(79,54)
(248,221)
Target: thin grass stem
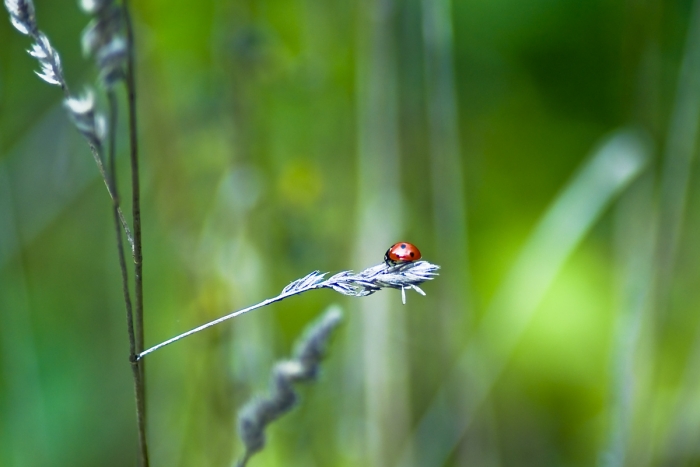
(138,367)
(138,383)
(385,275)
(112,194)
(135,182)
(269,301)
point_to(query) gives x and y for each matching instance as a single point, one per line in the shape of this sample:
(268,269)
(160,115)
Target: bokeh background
(541,152)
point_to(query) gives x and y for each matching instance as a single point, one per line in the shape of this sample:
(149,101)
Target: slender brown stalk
(112,101)
(140,394)
(138,385)
(88,122)
(112,194)
(137,366)
(135,184)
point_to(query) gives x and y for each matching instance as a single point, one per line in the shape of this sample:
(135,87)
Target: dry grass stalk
(400,276)
(80,109)
(259,412)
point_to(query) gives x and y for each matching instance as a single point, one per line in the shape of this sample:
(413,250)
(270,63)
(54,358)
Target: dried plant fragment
(90,123)
(395,276)
(93,7)
(110,61)
(400,276)
(103,39)
(102,29)
(48,58)
(254,417)
(22,16)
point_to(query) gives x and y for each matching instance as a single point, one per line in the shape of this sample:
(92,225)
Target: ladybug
(402,252)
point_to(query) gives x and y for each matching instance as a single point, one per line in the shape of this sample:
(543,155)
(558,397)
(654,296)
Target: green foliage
(263,158)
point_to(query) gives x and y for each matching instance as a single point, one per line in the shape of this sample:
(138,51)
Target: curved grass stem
(385,275)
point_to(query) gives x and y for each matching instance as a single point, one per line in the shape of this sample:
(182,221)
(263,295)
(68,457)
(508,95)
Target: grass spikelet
(304,366)
(89,122)
(22,16)
(400,276)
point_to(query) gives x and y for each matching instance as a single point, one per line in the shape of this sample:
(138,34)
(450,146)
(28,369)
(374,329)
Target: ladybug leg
(403,295)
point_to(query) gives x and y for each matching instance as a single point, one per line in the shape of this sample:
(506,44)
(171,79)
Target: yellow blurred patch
(300,185)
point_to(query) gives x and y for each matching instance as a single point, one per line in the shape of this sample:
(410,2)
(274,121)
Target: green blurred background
(540,152)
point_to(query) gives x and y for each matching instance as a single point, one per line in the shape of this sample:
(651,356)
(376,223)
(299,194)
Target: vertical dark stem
(138,367)
(112,100)
(135,184)
(138,382)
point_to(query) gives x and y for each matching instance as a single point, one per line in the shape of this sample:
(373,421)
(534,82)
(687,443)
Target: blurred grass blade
(681,428)
(386,397)
(681,146)
(449,208)
(612,167)
(24,421)
(635,223)
(46,170)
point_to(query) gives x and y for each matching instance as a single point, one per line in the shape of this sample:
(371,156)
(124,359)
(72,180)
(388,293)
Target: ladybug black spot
(403,245)
(412,254)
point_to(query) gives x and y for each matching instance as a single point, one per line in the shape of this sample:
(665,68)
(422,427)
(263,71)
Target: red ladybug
(402,252)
